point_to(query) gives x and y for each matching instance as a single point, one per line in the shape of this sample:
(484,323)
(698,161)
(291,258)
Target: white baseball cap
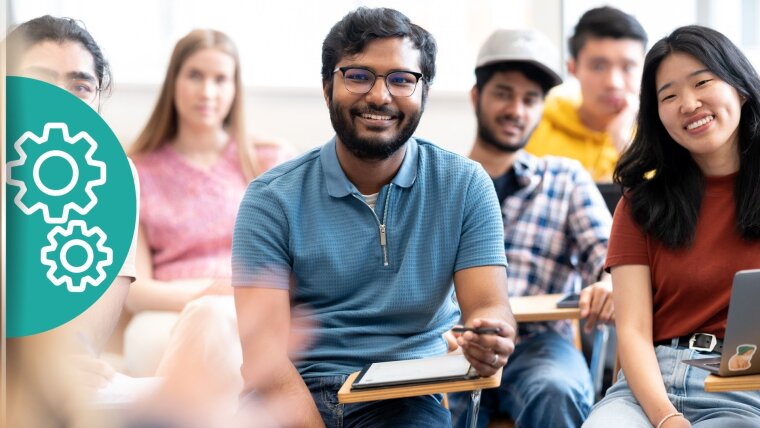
(529,46)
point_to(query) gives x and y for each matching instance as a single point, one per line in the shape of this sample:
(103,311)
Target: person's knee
(205,334)
(422,411)
(618,411)
(553,391)
(208,308)
(145,340)
(209,315)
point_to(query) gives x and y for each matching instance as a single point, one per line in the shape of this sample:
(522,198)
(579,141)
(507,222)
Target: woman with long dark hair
(689,220)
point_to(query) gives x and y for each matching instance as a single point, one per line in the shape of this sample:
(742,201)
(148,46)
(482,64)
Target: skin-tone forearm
(147,293)
(483,299)
(596,303)
(99,320)
(80,341)
(482,293)
(642,372)
(281,389)
(264,327)
(620,128)
(632,295)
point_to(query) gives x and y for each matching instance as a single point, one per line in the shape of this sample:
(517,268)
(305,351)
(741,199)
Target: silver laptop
(742,338)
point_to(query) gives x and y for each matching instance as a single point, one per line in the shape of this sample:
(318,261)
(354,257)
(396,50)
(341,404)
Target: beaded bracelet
(668,416)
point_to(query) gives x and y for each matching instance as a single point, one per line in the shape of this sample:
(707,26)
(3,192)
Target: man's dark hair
(605,22)
(59,30)
(532,72)
(667,204)
(352,33)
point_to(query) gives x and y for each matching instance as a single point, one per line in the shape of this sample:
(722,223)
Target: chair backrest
(611,193)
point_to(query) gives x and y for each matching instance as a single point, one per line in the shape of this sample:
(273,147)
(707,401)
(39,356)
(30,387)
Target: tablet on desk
(415,372)
(570,300)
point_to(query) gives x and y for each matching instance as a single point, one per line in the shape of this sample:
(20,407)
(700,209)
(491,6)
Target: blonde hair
(163,123)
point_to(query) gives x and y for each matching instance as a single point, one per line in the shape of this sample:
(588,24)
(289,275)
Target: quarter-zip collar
(339,186)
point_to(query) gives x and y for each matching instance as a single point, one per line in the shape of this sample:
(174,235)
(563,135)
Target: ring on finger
(495,360)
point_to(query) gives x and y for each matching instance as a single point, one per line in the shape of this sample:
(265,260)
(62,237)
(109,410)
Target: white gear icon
(54,203)
(56,256)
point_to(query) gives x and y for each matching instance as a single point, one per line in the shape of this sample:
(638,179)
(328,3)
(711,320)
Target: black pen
(478,330)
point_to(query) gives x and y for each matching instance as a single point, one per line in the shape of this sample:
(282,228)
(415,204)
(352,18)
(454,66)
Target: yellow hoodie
(561,133)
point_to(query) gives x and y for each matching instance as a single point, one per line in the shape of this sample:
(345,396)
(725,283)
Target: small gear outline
(72,205)
(83,237)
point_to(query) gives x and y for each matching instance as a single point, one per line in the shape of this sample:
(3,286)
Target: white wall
(273,45)
(280,45)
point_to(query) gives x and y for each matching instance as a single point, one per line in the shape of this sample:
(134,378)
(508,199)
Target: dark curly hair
(352,33)
(60,30)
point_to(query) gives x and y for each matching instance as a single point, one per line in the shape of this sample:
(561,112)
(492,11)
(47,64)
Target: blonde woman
(195,160)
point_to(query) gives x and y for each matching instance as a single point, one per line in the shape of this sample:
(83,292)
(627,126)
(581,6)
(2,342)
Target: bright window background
(280,47)
(280,42)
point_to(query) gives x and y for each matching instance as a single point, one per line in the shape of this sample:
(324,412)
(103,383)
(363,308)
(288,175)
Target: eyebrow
(72,75)
(81,75)
(507,87)
(372,69)
(600,59)
(669,84)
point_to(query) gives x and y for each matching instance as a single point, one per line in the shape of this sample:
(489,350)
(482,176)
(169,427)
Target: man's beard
(488,137)
(375,149)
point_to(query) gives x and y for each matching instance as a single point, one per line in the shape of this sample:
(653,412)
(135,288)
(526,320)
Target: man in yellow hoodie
(606,54)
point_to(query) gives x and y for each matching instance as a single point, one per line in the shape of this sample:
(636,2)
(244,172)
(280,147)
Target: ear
(571,66)
(474,96)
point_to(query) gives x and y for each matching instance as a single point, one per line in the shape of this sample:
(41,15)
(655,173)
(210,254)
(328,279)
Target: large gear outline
(105,255)
(38,205)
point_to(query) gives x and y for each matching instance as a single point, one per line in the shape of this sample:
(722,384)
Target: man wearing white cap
(556,227)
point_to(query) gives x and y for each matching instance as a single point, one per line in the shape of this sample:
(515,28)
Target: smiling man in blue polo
(365,240)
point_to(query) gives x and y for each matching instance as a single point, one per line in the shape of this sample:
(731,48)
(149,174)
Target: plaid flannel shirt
(556,229)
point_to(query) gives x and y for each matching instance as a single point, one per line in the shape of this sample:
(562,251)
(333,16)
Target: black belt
(702,342)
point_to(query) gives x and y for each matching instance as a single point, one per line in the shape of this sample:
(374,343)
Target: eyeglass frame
(96,92)
(419,76)
(53,78)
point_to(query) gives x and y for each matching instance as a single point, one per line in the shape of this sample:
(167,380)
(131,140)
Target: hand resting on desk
(596,305)
(487,352)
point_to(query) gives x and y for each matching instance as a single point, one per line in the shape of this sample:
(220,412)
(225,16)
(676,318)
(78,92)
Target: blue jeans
(422,411)
(685,386)
(546,383)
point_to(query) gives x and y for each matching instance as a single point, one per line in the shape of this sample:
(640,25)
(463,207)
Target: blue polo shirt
(304,226)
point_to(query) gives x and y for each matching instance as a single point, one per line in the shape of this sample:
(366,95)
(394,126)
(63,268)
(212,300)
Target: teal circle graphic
(71,206)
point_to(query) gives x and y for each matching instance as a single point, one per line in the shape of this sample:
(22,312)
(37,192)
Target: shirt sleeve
(589,223)
(628,243)
(260,255)
(482,240)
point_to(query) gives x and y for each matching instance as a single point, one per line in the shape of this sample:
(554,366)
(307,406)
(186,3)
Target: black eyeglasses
(83,89)
(86,89)
(361,80)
